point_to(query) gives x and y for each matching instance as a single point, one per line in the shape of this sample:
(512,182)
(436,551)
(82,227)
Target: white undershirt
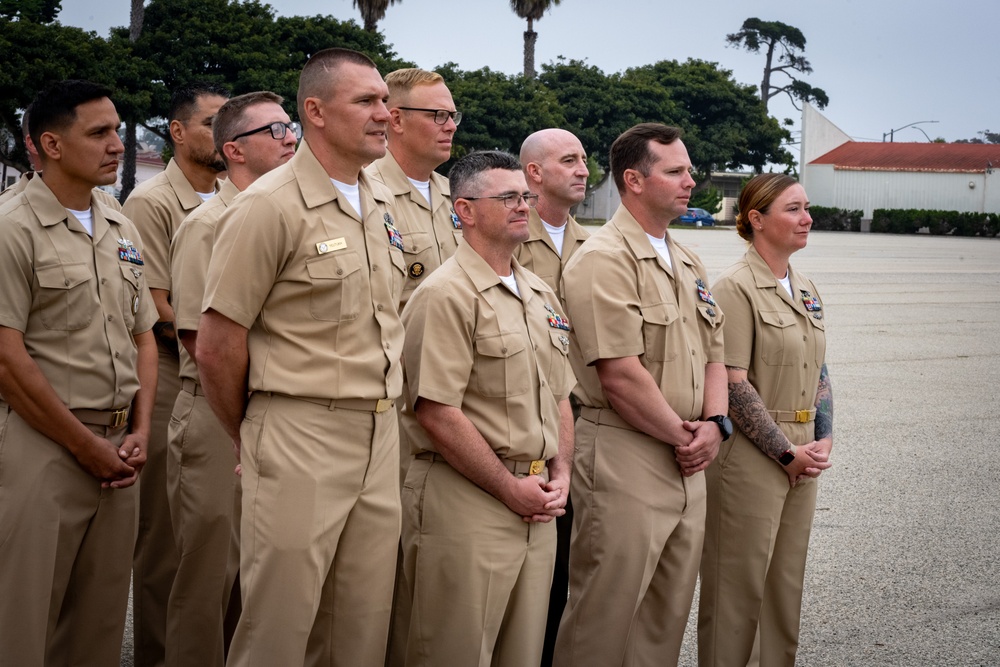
(205,196)
(86,219)
(351,192)
(557,234)
(424,187)
(660,246)
(786,283)
(511,284)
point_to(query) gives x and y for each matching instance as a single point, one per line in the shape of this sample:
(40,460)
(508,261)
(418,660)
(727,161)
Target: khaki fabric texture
(623,300)
(472,344)
(431,231)
(158,206)
(321,323)
(538,254)
(75,298)
(190,252)
(754,518)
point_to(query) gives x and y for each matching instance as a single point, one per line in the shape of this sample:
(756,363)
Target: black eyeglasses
(441,116)
(511,201)
(277,130)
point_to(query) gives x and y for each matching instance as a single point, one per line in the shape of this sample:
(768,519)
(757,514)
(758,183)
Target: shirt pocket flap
(62,276)
(660,313)
(131,275)
(776,319)
(333,267)
(416,242)
(499,345)
(560,341)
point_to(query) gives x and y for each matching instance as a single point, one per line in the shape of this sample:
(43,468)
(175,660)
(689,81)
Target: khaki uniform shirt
(158,206)
(472,344)
(190,252)
(779,339)
(316,285)
(625,301)
(538,254)
(16,189)
(78,300)
(431,232)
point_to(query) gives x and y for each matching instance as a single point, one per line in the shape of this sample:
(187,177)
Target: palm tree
(373,11)
(532,10)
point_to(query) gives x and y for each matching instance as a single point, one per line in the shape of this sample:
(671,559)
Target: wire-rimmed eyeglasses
(512,200)
(441,116)
(277,130)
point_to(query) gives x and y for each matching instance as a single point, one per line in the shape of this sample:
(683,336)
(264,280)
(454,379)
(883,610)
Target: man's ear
(312,109)
(465,212)
(51,147)
(233,152)
(633,181)
(176,132)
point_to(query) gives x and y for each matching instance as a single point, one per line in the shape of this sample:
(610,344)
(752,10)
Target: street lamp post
(890,133)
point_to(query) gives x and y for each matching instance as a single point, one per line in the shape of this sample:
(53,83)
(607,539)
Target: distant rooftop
(889,156)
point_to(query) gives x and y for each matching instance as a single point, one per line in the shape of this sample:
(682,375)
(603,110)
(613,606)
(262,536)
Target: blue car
(698,217)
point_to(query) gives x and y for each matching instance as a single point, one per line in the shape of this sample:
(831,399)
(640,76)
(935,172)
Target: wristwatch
(787,457)
(724,423)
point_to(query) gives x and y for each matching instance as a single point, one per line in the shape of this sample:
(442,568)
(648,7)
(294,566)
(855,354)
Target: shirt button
(104,281)
(117,355)
(374,267)
(340,272)
(805,365)
(504,350)
(805,338)
(110,318)
(684,319)
(379,306)
(66,282)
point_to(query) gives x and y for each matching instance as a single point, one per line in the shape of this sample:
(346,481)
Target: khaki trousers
(202,489)
(155,560)
(319,534)
(754,519)
(65,547)
(638,527)
(478,575)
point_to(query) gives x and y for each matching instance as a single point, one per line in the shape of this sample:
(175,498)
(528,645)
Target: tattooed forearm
(748,412)
(824,406)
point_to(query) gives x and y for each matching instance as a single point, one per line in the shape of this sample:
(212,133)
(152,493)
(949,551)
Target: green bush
(910,221)
(830,219)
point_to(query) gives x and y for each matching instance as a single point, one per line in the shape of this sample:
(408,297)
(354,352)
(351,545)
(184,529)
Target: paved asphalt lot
(905,553)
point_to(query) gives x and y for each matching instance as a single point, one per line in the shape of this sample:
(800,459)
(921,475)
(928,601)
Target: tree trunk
(371,26)
(765,84)
(128,160)
(530,37)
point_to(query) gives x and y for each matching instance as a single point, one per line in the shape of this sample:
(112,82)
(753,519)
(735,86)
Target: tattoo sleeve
(824,406)
(748,412)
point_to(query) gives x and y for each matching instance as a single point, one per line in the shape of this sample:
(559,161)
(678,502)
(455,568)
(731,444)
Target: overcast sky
(883,63)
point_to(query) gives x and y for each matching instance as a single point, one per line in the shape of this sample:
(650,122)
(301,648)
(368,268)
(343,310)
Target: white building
(857,175)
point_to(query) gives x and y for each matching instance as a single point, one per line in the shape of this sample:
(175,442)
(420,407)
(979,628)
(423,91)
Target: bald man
(555,167)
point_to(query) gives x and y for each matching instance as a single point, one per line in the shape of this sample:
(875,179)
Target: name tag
(324,247)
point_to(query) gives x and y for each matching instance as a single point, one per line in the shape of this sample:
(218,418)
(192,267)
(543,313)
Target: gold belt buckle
(802,416)
(119,417)
(383,404)
(536,467)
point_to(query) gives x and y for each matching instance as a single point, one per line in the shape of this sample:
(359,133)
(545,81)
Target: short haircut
(184,100)
(758,195)
(402,81)
(230,119)
(55,107)
(465,176)
(24,124)
(631,149)
(320,72)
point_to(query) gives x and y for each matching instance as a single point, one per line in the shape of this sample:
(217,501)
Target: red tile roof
(887,156)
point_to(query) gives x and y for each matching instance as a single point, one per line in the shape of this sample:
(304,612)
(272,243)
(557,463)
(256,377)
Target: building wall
(869,190)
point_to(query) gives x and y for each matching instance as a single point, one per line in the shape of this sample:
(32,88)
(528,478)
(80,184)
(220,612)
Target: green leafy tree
(985,137)
(708,198)
(35,11)
(499,110)
(36,55)
(373,11)
(599,107)
(530,10)
(783,46)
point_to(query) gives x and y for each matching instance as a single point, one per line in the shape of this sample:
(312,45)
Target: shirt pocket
(657,320)
(336,282)
(501,365)
(558,363)
(777,345)
(65,302)
(131,286)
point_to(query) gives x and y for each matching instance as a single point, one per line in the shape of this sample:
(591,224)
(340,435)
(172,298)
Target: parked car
(698,217)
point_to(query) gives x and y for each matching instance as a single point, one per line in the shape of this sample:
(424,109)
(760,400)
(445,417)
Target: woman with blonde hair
(762,486)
